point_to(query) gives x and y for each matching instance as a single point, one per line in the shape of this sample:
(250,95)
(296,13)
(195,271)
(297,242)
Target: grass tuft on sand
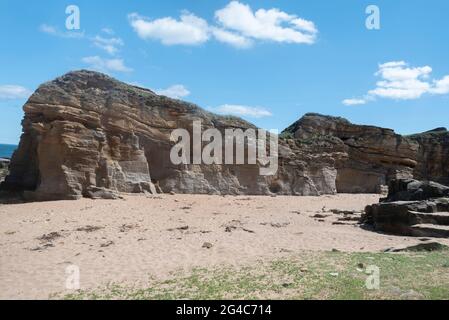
(310,275)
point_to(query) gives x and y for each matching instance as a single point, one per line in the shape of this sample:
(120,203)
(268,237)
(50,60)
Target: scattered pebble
(107,244)
(207,245)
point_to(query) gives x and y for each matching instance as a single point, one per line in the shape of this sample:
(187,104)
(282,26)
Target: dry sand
(139,238)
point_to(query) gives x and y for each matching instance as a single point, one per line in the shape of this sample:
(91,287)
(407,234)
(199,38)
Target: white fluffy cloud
(242,111)
(48,29)
(176,91)
(52,30)
(399,81)
(188,30)
(354,102)
(440,86)
(236,24)
(106,65)
(110,45)
(105,41)
(232,38)
(11,92)
(108,31)
(271,25)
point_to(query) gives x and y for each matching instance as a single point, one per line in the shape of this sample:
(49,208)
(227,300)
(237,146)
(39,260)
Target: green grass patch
(328,275)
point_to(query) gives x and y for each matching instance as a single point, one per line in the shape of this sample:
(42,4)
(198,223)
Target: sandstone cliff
(433,155)
(375,155)
(85,133)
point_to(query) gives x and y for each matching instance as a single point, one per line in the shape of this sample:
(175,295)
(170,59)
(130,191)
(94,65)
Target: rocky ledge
(86,134)
(412,208)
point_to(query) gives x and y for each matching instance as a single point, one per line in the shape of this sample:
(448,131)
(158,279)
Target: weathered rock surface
(424,214)
(375,156)
(86,130)
(410,190)
(433,155)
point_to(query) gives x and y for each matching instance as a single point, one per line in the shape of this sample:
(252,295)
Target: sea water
(6,150)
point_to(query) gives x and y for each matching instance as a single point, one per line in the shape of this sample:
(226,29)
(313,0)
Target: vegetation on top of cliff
(296,125)
(436,133)
(312,140)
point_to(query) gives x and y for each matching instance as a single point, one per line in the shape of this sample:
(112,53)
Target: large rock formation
(86,133)
(375,156)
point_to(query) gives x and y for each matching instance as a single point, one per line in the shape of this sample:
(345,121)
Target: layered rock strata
(86,134)
(412,208)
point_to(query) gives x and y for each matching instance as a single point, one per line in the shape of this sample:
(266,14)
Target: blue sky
(270,61)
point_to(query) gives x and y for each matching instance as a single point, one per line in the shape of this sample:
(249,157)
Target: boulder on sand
(411,190)
(426,214)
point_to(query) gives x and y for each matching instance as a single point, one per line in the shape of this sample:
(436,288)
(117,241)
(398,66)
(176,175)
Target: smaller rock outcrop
(412,190)
(373,155)
(433,155)
(412,208)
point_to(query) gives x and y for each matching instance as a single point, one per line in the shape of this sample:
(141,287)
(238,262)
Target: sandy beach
(141,237)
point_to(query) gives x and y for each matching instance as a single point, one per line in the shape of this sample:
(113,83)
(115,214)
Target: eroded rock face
(86,131)
(375,156)
(433,155)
